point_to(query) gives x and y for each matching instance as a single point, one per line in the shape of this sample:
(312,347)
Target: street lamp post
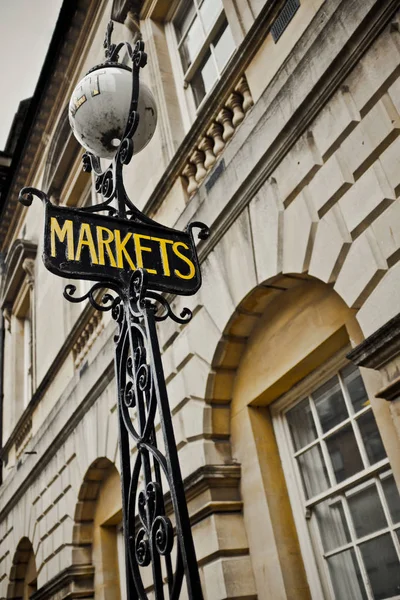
(134,260)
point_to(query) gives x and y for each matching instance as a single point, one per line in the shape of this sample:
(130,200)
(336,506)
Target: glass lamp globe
(99,111)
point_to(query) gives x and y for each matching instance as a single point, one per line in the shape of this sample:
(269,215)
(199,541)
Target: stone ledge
(73,582)
(390,392)
(380,347)
(77,20)
(206,478)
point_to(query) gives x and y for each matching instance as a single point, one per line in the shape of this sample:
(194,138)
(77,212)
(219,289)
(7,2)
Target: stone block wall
(297,200)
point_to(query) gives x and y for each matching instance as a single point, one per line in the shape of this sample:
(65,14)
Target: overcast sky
(26,27)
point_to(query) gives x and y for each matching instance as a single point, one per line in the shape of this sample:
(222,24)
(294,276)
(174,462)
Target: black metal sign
(79,245)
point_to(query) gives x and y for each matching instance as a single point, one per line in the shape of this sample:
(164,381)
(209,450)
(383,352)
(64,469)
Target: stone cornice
(379,348)
(51,92)
(390,392)
(21,251)
(210,477)
(66,581)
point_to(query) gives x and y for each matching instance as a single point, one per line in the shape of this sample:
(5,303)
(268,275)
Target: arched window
(98,530)
(321,507)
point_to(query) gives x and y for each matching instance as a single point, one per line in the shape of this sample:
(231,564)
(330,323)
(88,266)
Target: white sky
(26,27)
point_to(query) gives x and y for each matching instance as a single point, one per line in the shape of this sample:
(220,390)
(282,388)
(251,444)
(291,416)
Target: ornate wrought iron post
(141,384)
(148,472)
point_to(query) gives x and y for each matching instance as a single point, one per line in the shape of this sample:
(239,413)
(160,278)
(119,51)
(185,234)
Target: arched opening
(23,576)
(98,535)
(285,349)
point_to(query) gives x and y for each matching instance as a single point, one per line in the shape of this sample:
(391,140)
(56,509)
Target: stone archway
(233,342)
(97,513)
(23,576)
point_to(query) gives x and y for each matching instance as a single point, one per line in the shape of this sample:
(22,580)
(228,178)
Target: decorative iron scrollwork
(142,392)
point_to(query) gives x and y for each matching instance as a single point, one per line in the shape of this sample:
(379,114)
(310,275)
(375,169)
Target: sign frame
(169,256)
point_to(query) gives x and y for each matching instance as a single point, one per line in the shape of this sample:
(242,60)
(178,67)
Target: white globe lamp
(99,110)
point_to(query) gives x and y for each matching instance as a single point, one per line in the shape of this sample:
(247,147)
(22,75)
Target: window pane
(184,19)
(223,47)
(332,524)
(382,566)
(191,44)
(209,11)
(346,577)
(313,471)
(301,424)
(355,386)
(204,79)
(392,497)
(371,437)
(344,453)
(366,511)
(330,404)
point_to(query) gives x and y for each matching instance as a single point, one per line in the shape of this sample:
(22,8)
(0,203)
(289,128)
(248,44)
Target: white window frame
(308,531)
(183,79)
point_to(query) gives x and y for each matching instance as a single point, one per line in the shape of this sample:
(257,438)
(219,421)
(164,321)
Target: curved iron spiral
(107,301)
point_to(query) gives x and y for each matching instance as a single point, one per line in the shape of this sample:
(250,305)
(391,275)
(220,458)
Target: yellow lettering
(139,249)
(121,250)
(105,243)
(164,255)
(66,230)
(86,239)
(185,259)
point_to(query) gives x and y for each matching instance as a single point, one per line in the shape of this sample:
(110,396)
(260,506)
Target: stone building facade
(278,126)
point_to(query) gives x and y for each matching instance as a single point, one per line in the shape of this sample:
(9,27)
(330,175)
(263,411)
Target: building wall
(302,263)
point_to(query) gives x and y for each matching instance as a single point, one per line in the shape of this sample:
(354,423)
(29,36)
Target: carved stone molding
(221,482)
(88,335)
(390,392)
(19,265)
(7,317)
(29,267)
(379,348)
(23,436)
(73,582)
